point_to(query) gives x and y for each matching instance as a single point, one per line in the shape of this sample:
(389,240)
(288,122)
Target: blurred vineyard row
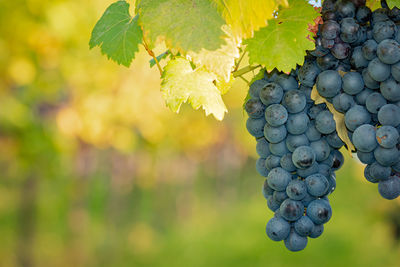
(96,171)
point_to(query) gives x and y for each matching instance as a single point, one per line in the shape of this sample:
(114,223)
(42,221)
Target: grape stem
(239,61)
(151,53)
(245,70)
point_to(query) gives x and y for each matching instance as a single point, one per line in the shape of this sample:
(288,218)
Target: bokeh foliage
(96,171)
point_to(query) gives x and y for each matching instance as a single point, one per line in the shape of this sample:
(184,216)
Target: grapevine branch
(245,70)
(151,53)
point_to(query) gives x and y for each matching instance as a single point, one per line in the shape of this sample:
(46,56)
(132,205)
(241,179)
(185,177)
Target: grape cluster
(357,59)
(298,148)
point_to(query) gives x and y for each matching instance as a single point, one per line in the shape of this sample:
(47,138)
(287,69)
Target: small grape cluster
(358,71)
(298,147)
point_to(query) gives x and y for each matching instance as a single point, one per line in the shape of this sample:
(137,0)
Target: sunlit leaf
(181,83)
(245,16)
(188,25)
(283,43)
(220,61)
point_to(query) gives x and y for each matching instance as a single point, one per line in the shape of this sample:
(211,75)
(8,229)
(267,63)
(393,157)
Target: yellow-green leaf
(245,16)
(181,83)
(283,43)
(187,25)
(393,3)
(220,61)
(337,116)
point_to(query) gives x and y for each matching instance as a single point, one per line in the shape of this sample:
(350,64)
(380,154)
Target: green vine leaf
(246,16)
(181,83)
(188,25)
(393,3)
(283,43)
(117,34)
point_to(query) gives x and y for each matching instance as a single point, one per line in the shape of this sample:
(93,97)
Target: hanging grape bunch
(355,68)
(359,58)
(298,148)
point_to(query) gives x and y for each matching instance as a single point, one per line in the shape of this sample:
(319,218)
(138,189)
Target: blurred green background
(96,171)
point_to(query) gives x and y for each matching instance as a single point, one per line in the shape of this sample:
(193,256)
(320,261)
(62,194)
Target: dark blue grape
(277,229)
(297,123)
(276,115)
(321,148)
(319,211)
(295,242)
(356,116)
(256,87)
(267,191)
(388,51)
(390,90)
(275,134)
(387,156)
(364,138)
(287,163)
(325,170)
(383,30)
(349,29)
(329,83)
(387,136)
(341,50)
(294,101)
(308,73)
(325,123)
(378,172)
(271,93)
(314,168)
(317,185)
(287,82)
(256,126)
(327,62)
(353,83)
(357,60)
(312,133)
(378,70)
(260,167)
(330,29)
(272,162)
(389,114)
(366,157)
(273,204)
(337,159)
(291,210)
(368,175)
(369,49)
(303,157)
(296,189)
(278,179)
(280,196)
(304,226)
(334,140)
(361,98)
(317,231)
(368,81)
(262,147)
(332,183)
(278,149)
(395,71)
(343,102)
(363,14)
(294,141)
(374,102)
(390,188)
(254,108)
